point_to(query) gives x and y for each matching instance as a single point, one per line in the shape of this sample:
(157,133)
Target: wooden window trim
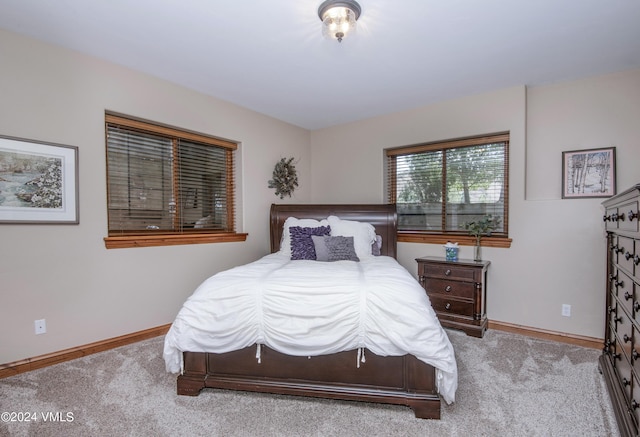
(130,241)
(150,126)
(462,240)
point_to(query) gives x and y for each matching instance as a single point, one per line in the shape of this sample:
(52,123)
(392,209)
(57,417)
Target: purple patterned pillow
(301,243)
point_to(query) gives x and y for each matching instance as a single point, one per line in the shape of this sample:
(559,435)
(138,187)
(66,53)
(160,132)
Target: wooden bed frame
(403,380)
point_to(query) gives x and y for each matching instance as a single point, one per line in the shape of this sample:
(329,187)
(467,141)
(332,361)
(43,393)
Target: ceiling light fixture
(338,18)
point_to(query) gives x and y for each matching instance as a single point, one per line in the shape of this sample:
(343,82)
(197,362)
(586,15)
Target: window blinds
(159,183)
(439,186)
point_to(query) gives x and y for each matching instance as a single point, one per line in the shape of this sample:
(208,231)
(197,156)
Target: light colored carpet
(509,385)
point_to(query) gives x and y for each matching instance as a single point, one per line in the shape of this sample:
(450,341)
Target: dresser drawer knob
(636,306)
(626,338)
(633,215)
(447,288)
(628,255)
(618,249)
(625,381)
(447,306)
(636,260)
(619,284)
(634,404)
(448,272)
(634,354)
(627,295)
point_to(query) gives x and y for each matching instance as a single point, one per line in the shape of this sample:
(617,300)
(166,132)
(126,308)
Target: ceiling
(270,56)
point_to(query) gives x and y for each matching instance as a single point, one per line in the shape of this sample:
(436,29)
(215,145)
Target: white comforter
(309,308)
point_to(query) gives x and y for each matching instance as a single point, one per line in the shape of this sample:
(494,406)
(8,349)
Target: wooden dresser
(458,292)
(620,361)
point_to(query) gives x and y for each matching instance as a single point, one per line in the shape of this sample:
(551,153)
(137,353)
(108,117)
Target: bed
(416,370)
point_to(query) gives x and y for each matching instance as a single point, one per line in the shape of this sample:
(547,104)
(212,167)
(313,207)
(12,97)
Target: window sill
(129,241)
(462,240)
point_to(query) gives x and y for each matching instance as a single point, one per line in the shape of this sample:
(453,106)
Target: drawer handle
(619,284)
(612,309)
(636,306)
(636,260)
(625,381)
(628,255)
(633,215)
(447,306)
(618,249)
(627,295)
(606,218)
(626,338)
(448,272)
(447,288)
(634,354)
(618,320)
(634,404)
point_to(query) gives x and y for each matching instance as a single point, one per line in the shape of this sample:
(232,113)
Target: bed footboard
(401,380)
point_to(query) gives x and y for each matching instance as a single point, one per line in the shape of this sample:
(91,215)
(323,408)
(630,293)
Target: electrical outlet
(41,326)
(566,310)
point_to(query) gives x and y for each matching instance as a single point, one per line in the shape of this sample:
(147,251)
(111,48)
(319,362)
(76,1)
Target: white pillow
(364,234)
(285,241)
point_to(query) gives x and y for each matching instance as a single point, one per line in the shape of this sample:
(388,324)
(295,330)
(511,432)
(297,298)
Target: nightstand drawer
(449,271)
(464,290)
(453,306)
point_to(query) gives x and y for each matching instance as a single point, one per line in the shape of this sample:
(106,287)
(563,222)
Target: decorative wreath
(285,178)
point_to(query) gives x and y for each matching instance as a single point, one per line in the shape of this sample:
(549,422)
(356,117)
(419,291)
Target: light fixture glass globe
(338,22)
(338,18)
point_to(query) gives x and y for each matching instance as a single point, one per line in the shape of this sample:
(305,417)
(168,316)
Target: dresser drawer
(628,218)
(464,290)
(635,353)
(623,289)
(609,223)
(624,333)
(449,271)
(623,370)
(445,305)
(626,253)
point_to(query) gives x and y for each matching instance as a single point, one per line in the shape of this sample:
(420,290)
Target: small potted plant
(481,227)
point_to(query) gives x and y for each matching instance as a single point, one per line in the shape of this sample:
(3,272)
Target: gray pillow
(334,248)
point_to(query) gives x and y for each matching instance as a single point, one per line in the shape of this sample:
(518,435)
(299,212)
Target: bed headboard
(383,218)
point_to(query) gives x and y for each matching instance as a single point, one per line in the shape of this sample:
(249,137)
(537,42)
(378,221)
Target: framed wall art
(38,182)
(589,173)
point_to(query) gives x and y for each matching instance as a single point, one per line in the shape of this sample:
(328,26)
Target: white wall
(88,293)
(557,254)
(63,273)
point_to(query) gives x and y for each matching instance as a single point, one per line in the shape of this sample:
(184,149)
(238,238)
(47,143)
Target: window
(437,187)
(167,186)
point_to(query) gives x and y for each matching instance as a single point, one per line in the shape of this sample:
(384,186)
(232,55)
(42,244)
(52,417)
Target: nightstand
(458,292)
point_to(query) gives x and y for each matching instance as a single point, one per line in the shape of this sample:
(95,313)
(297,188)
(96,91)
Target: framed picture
(38,182)
(589,173)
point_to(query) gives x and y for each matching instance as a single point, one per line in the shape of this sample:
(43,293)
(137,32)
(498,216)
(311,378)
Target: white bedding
(309,308)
